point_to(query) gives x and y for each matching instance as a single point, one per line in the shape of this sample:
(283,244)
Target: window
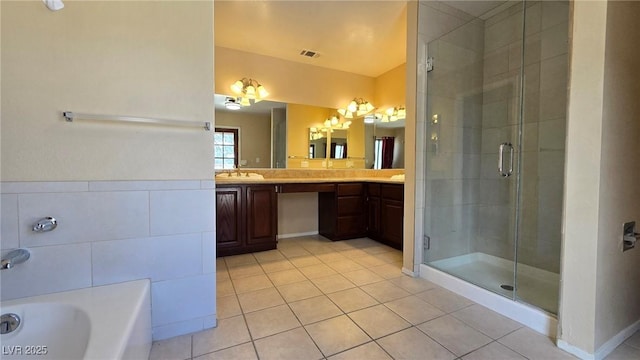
(377,154)
(312,151)
(340,151)
(225,148)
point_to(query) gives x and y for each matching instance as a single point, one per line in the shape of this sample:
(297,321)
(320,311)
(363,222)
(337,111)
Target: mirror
(279,135)
(317,144)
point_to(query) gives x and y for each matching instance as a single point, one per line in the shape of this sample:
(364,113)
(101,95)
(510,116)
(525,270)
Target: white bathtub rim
(106,323)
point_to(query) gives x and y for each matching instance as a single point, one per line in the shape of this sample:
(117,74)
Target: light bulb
(385,119)
(334,121)
(349,115)
(369,107)
(262,92)
(245,102)
(393,118)
(327,123)
(236,87)
(389,111)
(402,113)
(342,112)
(251,92)
(353,106)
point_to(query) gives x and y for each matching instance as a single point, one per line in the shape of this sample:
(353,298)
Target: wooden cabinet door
(229,217)
(392,222)
(262,210)
(373,217)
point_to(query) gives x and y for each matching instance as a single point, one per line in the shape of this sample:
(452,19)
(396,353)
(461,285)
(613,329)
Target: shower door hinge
(429,64)
(427,242)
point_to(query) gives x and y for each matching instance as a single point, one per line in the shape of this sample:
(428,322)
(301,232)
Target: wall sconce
(249,89)
(394,114)
(357,107)
(335,123)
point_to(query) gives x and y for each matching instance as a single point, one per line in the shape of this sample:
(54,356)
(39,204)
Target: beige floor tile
(413,344)
(222,275)
(486,321)
(279,265)
(244,352)
(390,256)
(220,265)
(634,340)
(624,352)
(337,334)
(260,299)
(352,299)
(290,345)
(444,300)
(368,261)
(251,283)
(388,271)
(319,249)
(227,306)
(354,253)
(245,270)
(331,257)
(454,335)
(224,288)
(304,261)
(314,309)
(271,321)
(342,245)
(413,285)
(267,256)
(333,283)
(237,260)
(414,310)
(533,345)
(317,271)
(343,266)
(384,291)
(176,348)
(362,243)
(298,291)
(368,351)
(293,251)
(286,277)
(362,277)
(495,351)
(378,321)
(230,332)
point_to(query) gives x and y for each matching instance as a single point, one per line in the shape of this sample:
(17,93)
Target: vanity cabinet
(341,213)
(385,213)
(246,219)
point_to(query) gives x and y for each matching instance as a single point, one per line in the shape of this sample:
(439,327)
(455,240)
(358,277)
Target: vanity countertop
(238,181)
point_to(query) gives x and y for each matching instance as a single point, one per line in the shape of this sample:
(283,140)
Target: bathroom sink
(240,176)
(398,177)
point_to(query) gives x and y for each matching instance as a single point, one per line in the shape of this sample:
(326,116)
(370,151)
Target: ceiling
(360,37)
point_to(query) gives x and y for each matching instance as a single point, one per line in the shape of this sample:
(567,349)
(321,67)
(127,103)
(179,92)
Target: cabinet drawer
(349,189)
(392,192)
(348,225)
(350,205)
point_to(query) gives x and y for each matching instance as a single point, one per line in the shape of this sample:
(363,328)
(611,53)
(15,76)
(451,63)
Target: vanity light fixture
(393,114)
(334,122)
(357,107)
(249,89)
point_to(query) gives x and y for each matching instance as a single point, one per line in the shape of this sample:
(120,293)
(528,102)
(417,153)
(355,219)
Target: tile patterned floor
(317,299)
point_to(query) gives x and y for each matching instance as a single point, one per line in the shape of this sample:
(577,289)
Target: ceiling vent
(309,53)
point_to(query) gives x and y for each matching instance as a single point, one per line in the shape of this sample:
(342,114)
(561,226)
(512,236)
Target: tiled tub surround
(317,299)
(115,231)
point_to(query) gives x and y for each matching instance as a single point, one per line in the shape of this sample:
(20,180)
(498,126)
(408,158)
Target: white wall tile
(9,221)
(143,185)
(49,269)
(157,258)
(207,184)
(177,329)
(179,212)
(84,217)
(183,299)
(208,252)
(8,187)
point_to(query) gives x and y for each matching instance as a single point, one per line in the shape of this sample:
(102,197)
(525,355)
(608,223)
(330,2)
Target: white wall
(149,59)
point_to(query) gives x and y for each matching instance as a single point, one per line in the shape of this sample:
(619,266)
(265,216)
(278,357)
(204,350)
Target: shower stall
(494,122)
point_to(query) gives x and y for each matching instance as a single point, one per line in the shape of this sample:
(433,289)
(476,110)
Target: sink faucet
(17,256)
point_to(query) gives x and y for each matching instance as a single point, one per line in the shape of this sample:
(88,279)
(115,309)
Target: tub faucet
(17,256)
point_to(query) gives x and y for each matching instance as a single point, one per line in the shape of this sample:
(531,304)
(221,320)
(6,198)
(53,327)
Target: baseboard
(605,349)
(409,272)
(287,236)
(575,351)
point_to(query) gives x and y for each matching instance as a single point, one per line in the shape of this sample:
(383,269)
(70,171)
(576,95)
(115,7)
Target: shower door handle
(501,159)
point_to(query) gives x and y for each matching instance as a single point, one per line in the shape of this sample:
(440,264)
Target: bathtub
(104,322)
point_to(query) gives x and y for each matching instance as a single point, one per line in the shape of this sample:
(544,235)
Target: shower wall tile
(144,185)
(554,40)
(551,164)
(552,134)
(497,61)
(553,103)
(533,19)
(553,73)
(208,252)
(554,12)
(494,192)
(12,187)
(179,212)
(495,114)
(503,33)
(49,269)
(153,258)
(9,221)
(84,216)
(180,299)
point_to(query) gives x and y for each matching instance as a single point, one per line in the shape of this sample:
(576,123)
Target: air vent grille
(309,53)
